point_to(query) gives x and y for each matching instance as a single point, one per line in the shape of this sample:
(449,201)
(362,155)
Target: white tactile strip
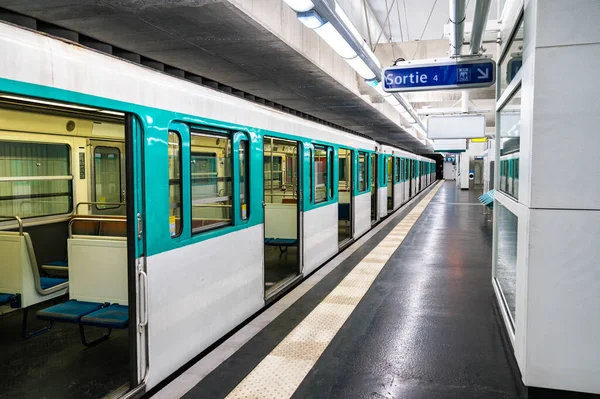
(279,374)
(191,377)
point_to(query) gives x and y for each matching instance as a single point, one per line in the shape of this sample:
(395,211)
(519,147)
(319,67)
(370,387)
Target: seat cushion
(113,316)
(5,298)
(61,263)
(49,282)
(70,312)
(282,242)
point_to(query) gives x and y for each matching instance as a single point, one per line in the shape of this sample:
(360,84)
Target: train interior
(63,239)
(390,184)
(373,173)
(345,196)
(282,259)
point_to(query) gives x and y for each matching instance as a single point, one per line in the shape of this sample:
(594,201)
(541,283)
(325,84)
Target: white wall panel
(563,300)
(320,236)
(565,122)
(582,25)
(200,292)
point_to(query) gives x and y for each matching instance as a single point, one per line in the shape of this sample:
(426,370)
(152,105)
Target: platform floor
(426,325)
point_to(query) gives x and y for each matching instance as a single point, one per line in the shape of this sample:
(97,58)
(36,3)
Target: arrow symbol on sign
(483,74)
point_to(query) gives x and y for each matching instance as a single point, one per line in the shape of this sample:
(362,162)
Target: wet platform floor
(427,327)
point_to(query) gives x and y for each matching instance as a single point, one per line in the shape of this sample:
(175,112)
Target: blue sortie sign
(442,76)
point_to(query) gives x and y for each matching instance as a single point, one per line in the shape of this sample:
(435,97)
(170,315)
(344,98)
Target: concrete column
(557,322)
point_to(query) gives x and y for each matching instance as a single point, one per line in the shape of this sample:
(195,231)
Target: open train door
(138,280)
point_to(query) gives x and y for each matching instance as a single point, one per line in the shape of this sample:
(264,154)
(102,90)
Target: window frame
(95,180)
(68,177)
(217,135)
(326,150)
(180,165)
(242,140)
(365,171)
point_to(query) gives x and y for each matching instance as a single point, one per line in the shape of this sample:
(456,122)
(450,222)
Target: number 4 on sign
(435,77)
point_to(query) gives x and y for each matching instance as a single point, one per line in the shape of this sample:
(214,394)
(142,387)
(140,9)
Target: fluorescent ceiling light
(392,100)
(339,11)
(335,41)
(105,111)
(56,104)
(382,93)
(405,114)
(311,19)
(361,68)
(300,5)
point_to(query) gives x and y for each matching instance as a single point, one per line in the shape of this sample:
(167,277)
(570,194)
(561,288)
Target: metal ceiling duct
(480,16)
(457,19)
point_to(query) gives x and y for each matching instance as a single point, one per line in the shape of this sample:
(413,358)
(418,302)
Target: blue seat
(59,263)
(49,282)
(89,314)
(487,199)
(69,312)
(6,298)
(113,316)
(343,211)
(281,242)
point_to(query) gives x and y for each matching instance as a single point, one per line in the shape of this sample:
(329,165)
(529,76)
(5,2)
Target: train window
(321,165)
(362,172)
(244,180)
(397,170)
(35,179)
(211,166)
(107,176)
(175,222)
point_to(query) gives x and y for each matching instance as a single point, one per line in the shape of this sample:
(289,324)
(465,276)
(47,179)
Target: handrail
(87,219)
(98,203)
(18,219)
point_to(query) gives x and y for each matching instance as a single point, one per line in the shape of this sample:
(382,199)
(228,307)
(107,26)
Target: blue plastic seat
(281,242)
(6,298)
(49,282)
(343,211)
(69,312)
(113,316)
(59,263)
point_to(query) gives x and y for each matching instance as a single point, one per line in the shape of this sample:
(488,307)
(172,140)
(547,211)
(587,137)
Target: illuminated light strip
(280,373)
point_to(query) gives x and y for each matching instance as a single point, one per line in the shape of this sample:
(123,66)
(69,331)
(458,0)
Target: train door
(345,184)
(282,226)
(136,260)
(411,175)
(107,189)
(390,183)
(73,311)
(374,196)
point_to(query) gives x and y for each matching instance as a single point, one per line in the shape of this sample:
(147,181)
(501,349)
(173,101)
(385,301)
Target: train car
(143,216)
(509,174)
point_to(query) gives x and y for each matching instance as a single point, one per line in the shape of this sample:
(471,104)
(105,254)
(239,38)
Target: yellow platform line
(280,373)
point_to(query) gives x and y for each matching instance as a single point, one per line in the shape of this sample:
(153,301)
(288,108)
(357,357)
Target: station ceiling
(407,20)
(216,40)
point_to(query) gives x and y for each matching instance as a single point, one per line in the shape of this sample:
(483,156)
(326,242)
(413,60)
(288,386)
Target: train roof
(47,61)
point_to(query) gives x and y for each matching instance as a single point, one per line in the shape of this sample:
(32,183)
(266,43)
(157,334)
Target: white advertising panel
(456,127)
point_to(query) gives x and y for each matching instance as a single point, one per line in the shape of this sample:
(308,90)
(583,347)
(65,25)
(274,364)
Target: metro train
(143,216)
(509,174)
